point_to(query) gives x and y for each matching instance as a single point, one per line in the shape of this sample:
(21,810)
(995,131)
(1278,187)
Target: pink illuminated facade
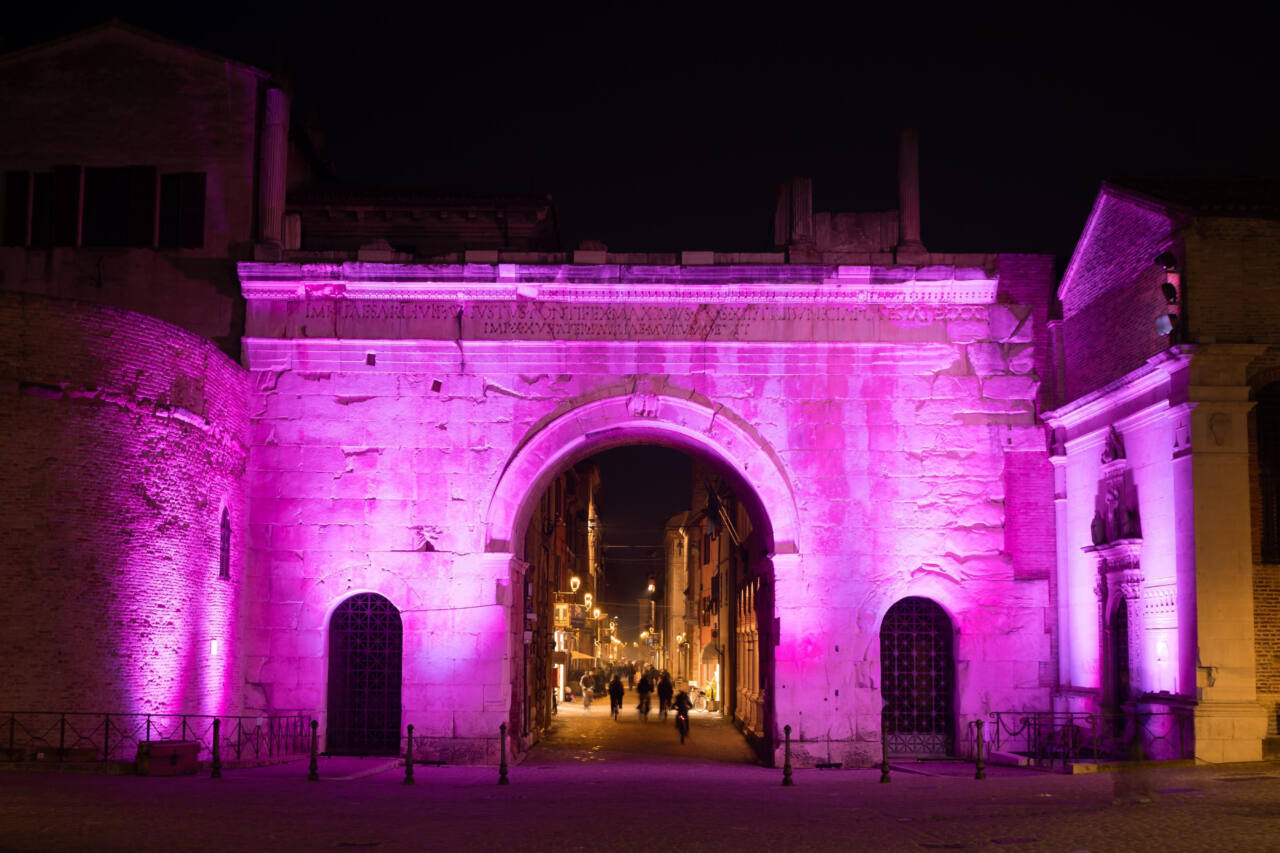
(864,413)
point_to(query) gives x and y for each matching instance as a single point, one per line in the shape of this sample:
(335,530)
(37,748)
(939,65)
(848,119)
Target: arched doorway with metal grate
(365,644)
(917,677)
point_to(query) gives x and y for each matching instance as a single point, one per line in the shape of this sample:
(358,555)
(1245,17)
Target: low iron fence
(1049,738)
(86,736)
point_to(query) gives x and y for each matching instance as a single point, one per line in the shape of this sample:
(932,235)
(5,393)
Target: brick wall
(124,442)
(1230,284)
(1111,295)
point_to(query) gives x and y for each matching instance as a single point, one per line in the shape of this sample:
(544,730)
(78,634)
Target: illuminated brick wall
(124,442)
(1111,295)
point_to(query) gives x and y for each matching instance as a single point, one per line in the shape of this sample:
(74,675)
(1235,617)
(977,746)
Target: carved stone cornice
(1118,556)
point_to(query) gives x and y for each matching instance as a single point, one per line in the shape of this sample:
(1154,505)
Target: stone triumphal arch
(878,418)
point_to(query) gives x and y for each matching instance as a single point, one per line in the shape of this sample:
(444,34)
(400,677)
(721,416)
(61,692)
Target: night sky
(665,128)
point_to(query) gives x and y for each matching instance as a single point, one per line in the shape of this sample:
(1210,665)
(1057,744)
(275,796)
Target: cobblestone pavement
(630,785)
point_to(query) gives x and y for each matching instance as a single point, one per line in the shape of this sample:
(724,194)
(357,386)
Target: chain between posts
(408,757)
(786,762)
(502,759)
(313,772)
(215,771)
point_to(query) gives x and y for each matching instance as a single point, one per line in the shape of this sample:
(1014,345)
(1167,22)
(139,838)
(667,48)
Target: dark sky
(641,488)
(665,127)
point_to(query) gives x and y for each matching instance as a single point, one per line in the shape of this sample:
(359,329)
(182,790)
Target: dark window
(119,206)
(224,547)
(1268,432)
(28,209)
(182,210)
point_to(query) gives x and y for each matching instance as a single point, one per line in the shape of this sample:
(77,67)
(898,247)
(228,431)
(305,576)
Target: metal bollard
(502,759)
(313,773)
(981,772)
(215,771)
(408,757)
(884,752)
(786,761)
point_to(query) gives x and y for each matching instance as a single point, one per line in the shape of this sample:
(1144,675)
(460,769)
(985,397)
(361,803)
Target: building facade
(937,504)
(1167,343)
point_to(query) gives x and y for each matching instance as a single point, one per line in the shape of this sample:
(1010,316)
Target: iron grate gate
(917,671)
(365,644)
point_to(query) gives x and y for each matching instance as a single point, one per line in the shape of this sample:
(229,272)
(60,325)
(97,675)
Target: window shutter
(142,206)
(17,193)
(191,216)
(66,205)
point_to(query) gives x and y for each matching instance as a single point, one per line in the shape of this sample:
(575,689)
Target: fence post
(981,771)
(408,757)
(313,772)
(62,736)
(106,737)
(10,733)
(239,736)
(184,726)
(786,761)
(502,755)
(884,752)
(215,771)
(148,727)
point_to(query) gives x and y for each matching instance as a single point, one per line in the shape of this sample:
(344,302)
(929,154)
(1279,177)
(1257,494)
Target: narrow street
(592,735)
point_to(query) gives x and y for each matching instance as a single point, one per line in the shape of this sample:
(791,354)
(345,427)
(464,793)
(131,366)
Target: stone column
(909,192)
(273,168)
(1229,723)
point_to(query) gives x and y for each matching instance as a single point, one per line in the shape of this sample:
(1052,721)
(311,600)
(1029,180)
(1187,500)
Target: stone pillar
(1229,723)
(273,168)
(909,193)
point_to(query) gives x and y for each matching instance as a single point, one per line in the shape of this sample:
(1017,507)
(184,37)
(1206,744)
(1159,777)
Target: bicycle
(682,723)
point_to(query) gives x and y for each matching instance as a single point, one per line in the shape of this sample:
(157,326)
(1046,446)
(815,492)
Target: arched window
(224,547)
(1267,419)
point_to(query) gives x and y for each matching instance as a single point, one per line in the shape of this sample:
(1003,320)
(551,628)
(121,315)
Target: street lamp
(574,583)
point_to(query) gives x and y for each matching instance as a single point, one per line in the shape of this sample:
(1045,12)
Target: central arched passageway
(707,613)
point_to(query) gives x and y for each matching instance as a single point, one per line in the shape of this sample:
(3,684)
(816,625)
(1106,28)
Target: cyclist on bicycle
(665,691)
(643,689)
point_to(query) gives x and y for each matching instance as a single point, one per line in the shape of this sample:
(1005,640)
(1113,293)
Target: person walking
(588,685)
(615,695)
